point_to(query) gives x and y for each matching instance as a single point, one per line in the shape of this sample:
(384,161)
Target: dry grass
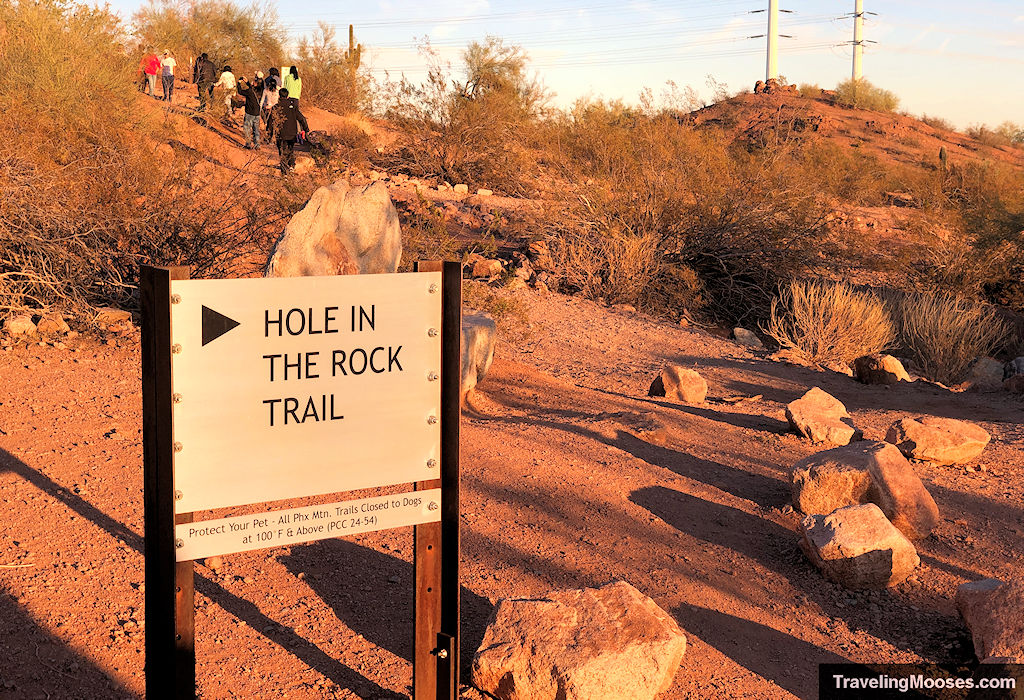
(829,322)
(944,334)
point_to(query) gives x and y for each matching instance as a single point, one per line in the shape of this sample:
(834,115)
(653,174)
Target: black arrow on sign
(215,324)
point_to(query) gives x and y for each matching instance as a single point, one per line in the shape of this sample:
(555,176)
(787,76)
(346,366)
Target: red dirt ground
(572,477)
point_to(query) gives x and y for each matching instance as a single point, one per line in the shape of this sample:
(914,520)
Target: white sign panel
(299,386)
(243,533)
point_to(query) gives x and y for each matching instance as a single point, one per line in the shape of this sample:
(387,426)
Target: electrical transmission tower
(858,39)
(772,63)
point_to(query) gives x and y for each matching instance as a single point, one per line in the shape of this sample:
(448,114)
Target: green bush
(861,94)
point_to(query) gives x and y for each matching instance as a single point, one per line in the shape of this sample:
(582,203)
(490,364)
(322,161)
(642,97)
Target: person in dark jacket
(204,75)
(286,120)
(251,123)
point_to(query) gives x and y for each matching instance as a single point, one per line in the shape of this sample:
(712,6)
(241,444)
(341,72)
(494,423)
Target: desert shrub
(829,322)
(812,90)
(331,75)
(474,130)
(863,95)
(425,234)
(617,267)
(249,37)
(943,334)
(938,122)
(510,313)
(87,196)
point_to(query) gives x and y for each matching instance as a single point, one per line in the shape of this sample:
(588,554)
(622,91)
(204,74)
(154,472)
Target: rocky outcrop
(865,472)
(939,440)
(679,384)
(821,417)
(879,369)
(857,547)
(994,612)
(342,230)
(610,642)
(478,335)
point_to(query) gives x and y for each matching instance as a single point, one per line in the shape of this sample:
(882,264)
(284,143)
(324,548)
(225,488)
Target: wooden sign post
(264,390)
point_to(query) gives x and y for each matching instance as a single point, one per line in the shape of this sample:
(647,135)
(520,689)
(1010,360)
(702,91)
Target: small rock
(679,384)
(857,547)
(879,369)
(303,164)
(748,338)
(461,189)
(20,325)
(394,579)
(994,612)
(821,417)
(985,374)
(1013,368)
(610,642)
(479,333)
(484,192)
(939,440)
(487,268)
(1014,384)
(539,254)
(109,316)
(52,324)
(214,563)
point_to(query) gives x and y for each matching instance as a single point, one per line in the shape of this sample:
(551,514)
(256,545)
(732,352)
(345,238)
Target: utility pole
(858,39)
(772,69)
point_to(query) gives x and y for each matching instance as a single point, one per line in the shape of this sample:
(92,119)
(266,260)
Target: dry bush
(811,90)
(829,322)
(943,334)
(938,122)
(425,234)
(511,315)
(861,94)
(87,196)
(474,131)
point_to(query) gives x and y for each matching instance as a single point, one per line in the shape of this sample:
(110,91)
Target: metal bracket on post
(447,685)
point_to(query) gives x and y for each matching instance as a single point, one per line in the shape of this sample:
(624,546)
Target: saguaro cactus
(353,58)
(944,158)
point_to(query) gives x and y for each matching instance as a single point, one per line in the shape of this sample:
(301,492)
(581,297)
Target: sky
(958,61)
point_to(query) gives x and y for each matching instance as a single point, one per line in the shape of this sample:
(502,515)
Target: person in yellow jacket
(292,83)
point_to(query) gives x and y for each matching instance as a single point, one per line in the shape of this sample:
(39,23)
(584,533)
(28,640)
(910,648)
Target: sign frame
(170,667)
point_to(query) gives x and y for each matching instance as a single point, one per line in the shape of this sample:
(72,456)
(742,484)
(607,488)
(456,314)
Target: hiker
(293,83)
(167,64)
(251,122)
(203,75)
(286,120)
(228,83)
(152,68)
(269,100)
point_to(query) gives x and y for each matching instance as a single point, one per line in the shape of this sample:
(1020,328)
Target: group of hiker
(271,102)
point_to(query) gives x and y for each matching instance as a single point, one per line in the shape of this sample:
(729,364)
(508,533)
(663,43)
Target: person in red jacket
(151,69)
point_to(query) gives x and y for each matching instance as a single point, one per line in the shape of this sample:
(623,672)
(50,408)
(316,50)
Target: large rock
(1013,368)
(857,547)
(20,325)
(939,440)
(985,374)
(610,643)
(821,417)
(994,612)
(865,472)
(679,384)
(879,369)
(478,336)
(52,324)
(342,230)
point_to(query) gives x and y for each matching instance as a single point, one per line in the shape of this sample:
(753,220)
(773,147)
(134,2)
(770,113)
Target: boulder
(609,642)
(52,324)
(20,325)
(939,440)
(478,335)
(487,268)
(539,254)
(1013,368)
(748,338)
(879,369)
(821,417)
(865,472)
(994,612)
(342,230)
(985,374)
(857,547)
(679,384)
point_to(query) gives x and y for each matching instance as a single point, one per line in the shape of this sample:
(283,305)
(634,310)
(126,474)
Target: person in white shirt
(167,64)
(228,83)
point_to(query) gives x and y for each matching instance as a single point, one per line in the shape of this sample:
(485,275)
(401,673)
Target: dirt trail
(572,477)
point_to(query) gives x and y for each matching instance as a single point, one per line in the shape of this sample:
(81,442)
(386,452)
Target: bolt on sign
(264,390)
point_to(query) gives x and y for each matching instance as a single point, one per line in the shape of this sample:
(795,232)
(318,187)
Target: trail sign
(270,389)
(299,386)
